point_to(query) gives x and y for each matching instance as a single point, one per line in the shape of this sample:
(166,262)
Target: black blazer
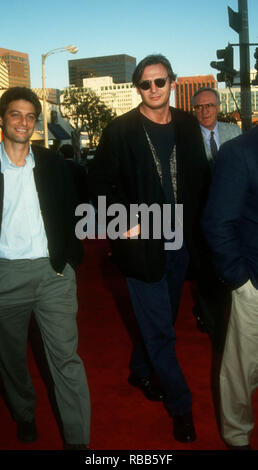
(57,202)
(230,219)
(124,170)
(79,176)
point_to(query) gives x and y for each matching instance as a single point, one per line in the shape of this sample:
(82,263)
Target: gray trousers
(33,285)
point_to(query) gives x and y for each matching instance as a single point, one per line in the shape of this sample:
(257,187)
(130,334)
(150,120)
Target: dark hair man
(38,254)
(230,226)
(153,155)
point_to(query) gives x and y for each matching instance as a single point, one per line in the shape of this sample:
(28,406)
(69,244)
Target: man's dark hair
(67,150)
(153,59)
(19,93)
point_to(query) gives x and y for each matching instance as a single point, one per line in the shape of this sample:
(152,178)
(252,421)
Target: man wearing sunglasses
(154,155)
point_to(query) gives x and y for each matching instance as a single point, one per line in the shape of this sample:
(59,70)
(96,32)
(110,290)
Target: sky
(187,32)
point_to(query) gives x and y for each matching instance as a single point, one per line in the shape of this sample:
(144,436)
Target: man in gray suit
(213,299)
(206,103)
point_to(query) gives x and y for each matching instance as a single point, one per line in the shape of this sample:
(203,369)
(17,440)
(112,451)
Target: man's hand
(133,232)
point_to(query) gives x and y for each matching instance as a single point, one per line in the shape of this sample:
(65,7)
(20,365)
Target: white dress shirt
(207,135)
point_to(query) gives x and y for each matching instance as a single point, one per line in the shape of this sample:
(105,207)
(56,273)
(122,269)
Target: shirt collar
(6,163)
(206,132)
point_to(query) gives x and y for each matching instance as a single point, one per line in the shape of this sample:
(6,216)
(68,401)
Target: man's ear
(173,85)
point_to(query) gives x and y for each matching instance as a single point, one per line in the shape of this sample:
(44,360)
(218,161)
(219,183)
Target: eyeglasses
(159,82)
(201,107)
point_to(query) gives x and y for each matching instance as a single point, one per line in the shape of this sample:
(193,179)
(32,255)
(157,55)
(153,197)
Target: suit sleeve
(237,130)
(106,177)
(223,215)
(103,171)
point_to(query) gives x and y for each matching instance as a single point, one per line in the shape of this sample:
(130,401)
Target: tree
(228,117)
(87,113)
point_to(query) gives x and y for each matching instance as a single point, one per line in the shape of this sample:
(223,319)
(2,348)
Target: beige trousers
(239,369)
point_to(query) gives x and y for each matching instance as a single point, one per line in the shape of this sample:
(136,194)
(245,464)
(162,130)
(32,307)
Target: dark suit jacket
(230,220)
(124,170)
(79,176)
(57,202)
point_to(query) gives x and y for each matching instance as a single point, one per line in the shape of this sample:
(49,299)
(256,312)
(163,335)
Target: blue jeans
(155,306)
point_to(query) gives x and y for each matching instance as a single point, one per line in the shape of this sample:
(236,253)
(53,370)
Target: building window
(54,118)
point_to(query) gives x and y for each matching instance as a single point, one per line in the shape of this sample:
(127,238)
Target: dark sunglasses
(159,82)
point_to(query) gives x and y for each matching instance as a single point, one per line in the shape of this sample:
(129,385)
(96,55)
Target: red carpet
(121,416)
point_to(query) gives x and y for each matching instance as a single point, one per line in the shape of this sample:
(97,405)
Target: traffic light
(226,66)
(255,81)
(256,57)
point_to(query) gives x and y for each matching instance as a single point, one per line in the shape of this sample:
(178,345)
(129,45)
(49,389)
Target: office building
(52,94)
(120,97)
(4,76)
(18,67)
(187,86)
(119,67)
(231,100)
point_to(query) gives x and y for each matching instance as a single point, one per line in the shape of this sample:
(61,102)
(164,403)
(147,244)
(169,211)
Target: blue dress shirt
(207,134)
(22,233)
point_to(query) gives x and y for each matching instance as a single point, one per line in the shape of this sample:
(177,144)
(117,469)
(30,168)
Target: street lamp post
(73,50)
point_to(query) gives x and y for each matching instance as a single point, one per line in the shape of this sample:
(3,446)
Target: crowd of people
(153,155)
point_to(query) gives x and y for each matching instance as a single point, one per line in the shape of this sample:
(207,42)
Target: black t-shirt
(162,137)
